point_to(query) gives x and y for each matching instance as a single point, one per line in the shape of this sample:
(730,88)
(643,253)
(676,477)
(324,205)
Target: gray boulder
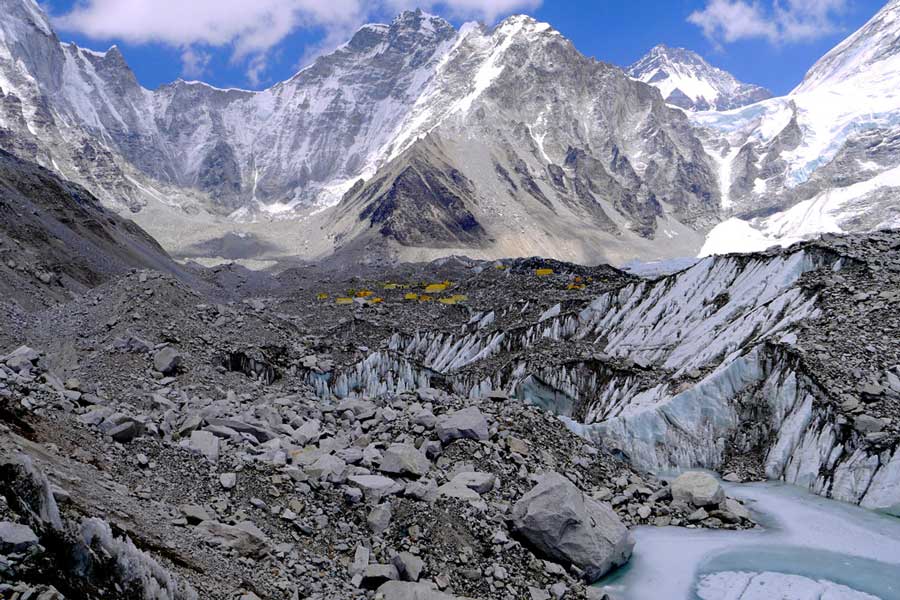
(401,590)
(167,360)
(697,488)
(245,538)
(404,459)
(15,538)
(566,526)
(468,423)
(205,443)
(409,566)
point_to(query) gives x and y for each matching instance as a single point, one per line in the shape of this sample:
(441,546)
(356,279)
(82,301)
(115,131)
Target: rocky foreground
(341,433)
(159,443)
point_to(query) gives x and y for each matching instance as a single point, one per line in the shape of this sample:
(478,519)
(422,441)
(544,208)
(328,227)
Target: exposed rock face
(565,526)
(686,80)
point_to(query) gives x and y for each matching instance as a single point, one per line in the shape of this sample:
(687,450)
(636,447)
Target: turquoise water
(799,534)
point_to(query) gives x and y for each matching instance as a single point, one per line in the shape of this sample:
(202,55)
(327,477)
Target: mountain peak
(420,20)
(686,80)
(26,11)
(872,51)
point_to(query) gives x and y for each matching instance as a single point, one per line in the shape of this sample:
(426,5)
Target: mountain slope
(564,141)
(689,82)
(552,152)
(56,239)
(825,158)
(415,140)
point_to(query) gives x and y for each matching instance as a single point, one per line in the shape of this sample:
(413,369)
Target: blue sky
(236,43)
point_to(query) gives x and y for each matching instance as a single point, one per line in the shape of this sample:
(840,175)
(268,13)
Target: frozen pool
(807,547)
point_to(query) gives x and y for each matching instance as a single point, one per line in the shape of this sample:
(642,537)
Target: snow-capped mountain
(521,144)
(825,158)
(419,140)
(691,83)
(573,158)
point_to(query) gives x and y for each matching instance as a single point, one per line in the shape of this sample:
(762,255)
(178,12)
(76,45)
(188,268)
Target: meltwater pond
(807,547)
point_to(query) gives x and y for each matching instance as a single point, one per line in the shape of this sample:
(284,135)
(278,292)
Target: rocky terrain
(460,428)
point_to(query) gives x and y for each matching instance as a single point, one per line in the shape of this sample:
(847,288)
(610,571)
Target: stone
(379,518)
(206,444)
(167,360)
(737,509)
(328,467)
(22,359)
(468,423)
(194,513)
(404,459)
(732,477)
(228,480)
(375,487)
(360,560)
(482,483)
(375,575)
(698,515)
(564,525)
(409,566)
(517,445)
(425,490)
(261,434)
(401,590)
(124,432)
(457,489)
(868,424)
(698,489)
(307,433)
(538,594)
(16,538)
(245,538)
(558,590)
(426,419)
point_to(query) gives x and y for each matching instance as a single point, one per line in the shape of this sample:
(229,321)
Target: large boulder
(566,526)
(167,360)
(468,423)
(400,590)
(404,459)
(15,537)
(245,538)
(697,488)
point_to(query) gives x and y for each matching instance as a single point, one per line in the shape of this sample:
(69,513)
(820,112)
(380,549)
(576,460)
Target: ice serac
(686,80)
(824,158)
(721,362)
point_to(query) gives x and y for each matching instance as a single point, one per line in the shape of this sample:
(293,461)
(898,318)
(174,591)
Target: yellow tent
(543,272)
(437,288)
(343,300)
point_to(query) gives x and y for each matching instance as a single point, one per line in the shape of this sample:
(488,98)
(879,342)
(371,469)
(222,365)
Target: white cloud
(251,29)
(780,21)
(194,62)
